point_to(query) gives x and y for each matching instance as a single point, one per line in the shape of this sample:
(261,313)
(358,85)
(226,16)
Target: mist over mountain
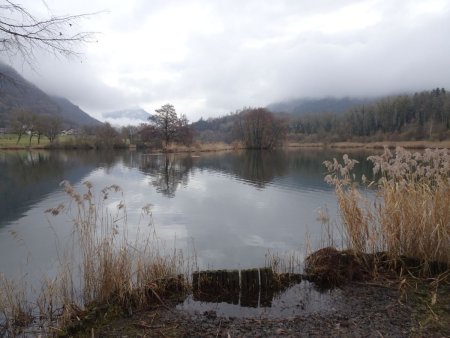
(73,113)
(133,116)
(16,92)
(304,106)
(132,113)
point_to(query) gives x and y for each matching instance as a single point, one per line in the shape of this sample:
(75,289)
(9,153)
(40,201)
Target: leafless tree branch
(21,33)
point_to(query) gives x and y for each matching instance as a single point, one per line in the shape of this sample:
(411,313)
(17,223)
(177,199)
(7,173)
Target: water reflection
(254,167)
(257,168)
(232,207)
(291,169)
(168,171)
(299,299)
(27,177)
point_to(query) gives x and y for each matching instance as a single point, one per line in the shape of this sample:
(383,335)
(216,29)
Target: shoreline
(212,147)
(354,315)
(374,145)
(382,307)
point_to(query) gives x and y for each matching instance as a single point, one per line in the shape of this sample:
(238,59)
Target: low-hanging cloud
(209,58)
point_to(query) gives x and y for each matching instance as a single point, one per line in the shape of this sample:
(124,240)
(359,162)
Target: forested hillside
(423,115)
(298,107)
(418,116)
(221,129)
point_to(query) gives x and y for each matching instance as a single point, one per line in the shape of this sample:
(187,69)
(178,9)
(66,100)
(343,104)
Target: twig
(218,330)
(436,317)
(162,333)
(54,328)
(147,326)
(160,300)
(375,284)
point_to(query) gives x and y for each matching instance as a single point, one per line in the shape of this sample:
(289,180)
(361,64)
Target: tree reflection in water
(255,167)
(27,177)
(167,171)
(260,167)
(170,171)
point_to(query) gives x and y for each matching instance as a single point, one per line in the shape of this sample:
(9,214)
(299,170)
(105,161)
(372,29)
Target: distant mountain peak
(135,113)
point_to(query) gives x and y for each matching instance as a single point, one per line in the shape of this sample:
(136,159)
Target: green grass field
(10,141)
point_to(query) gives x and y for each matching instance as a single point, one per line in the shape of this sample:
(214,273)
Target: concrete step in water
(250,287)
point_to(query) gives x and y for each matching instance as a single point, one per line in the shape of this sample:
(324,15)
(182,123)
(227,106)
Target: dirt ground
(360,310)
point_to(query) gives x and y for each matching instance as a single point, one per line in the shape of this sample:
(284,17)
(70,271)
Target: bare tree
(150,135)
(166,121)
(21,33)
(129,133)
(49,126)
(260,129)
(106,136)
(22,122)
(184,134)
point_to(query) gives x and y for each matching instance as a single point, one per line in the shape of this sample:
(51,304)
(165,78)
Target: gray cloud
(213,57)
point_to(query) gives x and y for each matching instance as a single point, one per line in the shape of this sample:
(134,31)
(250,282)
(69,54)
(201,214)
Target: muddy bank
(262,303)
(361,305)
(358,310)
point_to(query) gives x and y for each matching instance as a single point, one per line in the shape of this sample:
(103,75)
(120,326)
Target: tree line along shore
(413,121)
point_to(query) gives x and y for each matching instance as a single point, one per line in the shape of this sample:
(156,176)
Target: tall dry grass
(203,147)
(410,213)
(102,266)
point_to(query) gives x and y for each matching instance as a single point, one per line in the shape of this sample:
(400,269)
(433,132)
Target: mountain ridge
(303,106)
(68,110)
(18,93)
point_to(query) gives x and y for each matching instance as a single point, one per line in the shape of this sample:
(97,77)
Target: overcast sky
(210,57)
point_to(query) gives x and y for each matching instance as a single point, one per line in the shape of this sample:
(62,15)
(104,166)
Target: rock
(211,314)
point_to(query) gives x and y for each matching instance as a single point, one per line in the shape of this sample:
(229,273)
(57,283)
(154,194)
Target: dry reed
(102,267)
(203,147)
(410,213)
(286,262)
(391,145)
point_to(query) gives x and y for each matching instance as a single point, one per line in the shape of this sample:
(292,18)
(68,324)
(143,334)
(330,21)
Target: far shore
(373,145)
(221,146)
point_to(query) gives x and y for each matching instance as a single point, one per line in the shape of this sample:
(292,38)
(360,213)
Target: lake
(232,209)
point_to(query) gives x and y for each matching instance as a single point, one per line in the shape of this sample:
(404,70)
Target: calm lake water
(231,208)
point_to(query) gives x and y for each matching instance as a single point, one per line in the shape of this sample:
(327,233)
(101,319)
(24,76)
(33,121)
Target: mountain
(323,105)
(73,113)
(132,116)
(16,92)
(133,113)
